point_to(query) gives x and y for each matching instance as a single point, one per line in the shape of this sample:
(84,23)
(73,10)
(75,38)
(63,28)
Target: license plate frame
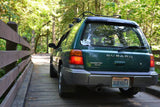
(120,82)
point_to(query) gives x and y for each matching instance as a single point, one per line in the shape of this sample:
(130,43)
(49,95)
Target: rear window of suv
(103,35)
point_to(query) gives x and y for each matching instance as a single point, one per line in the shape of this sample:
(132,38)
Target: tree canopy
(49,18)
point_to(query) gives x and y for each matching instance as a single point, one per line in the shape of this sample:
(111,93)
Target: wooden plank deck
(43,92)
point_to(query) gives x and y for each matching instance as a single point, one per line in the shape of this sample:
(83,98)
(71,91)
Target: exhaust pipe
(99,89)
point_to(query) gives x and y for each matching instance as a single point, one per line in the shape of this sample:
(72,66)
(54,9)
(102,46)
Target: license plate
(120,82)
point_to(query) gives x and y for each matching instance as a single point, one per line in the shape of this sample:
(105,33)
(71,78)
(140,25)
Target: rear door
(114,48)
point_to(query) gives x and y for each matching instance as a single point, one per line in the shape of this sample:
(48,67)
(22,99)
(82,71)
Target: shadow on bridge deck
(43,92)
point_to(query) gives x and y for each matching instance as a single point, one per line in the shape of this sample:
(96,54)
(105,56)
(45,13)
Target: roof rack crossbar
(92,14)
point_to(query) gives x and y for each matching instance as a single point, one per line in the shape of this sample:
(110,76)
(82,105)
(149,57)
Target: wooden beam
(9,34)
(24,43)
(23,64)
(24,53)
(7,79)
(7,102)
(7,57)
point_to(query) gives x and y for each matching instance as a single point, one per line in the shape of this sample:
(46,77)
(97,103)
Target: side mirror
(52,45)
(77,19)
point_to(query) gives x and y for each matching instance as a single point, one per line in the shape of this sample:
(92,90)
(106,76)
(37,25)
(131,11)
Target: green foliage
(19,61)
(8,10)
(19,47)
(2,44)
(145,12)
(157,70)
(40,15)
(42,45)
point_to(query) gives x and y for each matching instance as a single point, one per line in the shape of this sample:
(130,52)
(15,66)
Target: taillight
(151,61)
(76,57)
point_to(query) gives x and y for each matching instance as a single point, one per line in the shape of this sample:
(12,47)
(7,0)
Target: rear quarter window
(71,37)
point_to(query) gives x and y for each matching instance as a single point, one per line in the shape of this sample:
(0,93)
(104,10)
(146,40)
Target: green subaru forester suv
(103,52)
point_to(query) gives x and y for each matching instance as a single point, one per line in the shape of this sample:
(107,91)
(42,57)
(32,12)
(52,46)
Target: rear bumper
(95,78)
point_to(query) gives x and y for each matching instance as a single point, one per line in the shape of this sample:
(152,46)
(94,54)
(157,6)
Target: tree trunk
(36,43)
(116,1)
(47,38)
(83,6)
(88,5)
(10,46)
(96,6)
(99,7)
(75,8)
(53,31)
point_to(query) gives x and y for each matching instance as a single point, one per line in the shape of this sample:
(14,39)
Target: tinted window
(71,36)
(98,34)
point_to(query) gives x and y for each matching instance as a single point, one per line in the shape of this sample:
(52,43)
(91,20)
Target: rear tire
(129,92)
(53,73)
(64,89)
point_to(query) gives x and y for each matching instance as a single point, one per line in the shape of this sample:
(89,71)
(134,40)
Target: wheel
(61,86)
(129,91)
(64,89)
(53,73)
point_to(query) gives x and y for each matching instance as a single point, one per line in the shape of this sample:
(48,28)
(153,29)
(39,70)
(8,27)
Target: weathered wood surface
(7,57)
(8,34)
(43,92)
(11,81)
(12,93)
(22,91)
(7,79)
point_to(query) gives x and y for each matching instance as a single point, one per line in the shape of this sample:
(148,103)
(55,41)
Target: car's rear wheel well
(59,67)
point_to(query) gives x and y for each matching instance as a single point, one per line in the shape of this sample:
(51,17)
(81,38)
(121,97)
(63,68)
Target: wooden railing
(156,54)
(9,62)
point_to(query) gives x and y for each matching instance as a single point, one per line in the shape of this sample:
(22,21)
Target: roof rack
(92,14)
(77,20)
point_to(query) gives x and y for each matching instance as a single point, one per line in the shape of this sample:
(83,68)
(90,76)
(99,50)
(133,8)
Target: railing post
(11,45)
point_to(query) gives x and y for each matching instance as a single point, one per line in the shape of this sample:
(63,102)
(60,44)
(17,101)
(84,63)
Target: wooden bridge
(26,85)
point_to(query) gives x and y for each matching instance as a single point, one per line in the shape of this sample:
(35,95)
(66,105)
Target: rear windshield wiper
(132,47)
